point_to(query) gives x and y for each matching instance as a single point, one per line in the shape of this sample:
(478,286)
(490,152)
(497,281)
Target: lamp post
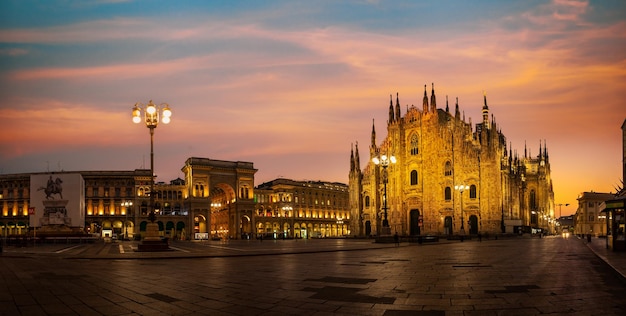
(384,162)
(462,188)
(152,113)
(560,205)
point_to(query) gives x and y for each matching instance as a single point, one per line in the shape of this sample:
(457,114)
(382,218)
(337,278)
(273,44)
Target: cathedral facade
(448,177)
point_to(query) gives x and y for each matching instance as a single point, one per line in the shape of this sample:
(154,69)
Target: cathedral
(436,174)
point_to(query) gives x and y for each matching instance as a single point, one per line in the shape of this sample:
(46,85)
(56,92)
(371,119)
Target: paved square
(520,276)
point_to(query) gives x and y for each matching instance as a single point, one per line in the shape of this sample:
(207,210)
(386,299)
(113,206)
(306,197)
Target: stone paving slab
(322,277)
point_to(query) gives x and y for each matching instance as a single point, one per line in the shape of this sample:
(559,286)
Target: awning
(615,204)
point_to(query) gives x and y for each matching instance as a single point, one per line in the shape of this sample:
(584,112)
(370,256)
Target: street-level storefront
(616,224)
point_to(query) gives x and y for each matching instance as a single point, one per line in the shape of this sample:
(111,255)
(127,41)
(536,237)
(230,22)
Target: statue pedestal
(152,241)
(385,231)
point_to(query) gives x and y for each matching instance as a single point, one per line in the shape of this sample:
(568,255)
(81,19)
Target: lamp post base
(152,241)
(385,231)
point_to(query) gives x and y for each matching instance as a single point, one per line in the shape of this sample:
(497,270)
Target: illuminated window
(472,192)
(448,169)
(414,145)
(533,200)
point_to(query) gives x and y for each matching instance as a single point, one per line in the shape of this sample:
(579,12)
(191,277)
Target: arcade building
(215,200)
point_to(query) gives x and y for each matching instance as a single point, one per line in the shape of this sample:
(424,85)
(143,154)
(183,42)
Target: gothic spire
(391,119)
(425,102)
(447,108)
(485,112)
(357,159)
(397,107)
(525,150)
(352,157)
(433,100)
(457,114)
(373,135)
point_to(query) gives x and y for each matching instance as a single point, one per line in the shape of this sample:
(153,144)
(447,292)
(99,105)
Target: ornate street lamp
(384,162)
(461,188)
(152,113)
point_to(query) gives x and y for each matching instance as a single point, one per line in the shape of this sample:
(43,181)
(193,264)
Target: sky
(292,85)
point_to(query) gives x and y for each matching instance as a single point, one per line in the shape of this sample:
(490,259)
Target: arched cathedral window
(472,191)
(448,194)
(413,177)
(533,200)
(414,145)
(367,201)
(448,169)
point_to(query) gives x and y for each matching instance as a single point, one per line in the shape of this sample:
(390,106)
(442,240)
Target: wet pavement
(518,276)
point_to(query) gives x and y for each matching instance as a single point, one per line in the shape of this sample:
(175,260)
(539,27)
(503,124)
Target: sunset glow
(291,85)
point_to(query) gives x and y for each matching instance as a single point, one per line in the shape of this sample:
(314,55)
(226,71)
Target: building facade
(589,218)
(449,177)
(214,199)
(302,209)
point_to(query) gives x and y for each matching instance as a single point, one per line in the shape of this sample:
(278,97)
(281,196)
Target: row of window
(324,201)
(303,214)
(447,194)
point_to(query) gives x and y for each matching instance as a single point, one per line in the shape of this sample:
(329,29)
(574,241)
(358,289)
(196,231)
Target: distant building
(301,209)
(588,218)
(565,224)
(437,153)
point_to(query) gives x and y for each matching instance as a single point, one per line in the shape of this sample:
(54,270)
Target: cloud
(13,52)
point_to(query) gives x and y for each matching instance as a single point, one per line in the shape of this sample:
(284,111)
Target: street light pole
(384,161)
(152,115)
(560,205)
(462,188)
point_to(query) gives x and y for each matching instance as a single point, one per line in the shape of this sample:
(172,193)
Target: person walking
(396,239)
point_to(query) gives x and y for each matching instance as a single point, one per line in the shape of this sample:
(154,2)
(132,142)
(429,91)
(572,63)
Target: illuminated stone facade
(214,200)
(588,218)
(437,150)
(220,197)
(302,209)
